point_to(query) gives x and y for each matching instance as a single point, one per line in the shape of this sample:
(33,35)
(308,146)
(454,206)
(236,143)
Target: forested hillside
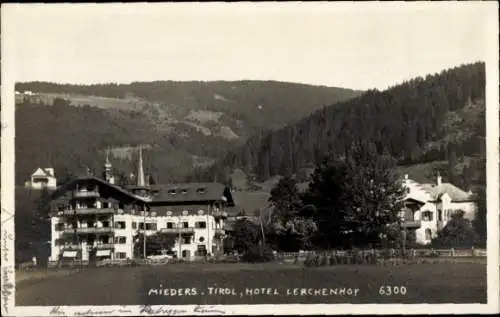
(181,124)
(440,117)
(241,106)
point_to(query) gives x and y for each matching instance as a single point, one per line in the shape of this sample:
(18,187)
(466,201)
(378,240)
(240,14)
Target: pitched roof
(46,171)
(456,194)
(191,192)
(102,182)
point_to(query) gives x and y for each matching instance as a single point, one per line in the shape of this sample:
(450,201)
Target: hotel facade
(95,219)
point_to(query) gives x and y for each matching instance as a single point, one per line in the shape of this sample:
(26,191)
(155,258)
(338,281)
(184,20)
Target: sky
(351,45)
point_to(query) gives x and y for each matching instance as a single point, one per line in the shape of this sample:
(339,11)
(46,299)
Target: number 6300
(392,290)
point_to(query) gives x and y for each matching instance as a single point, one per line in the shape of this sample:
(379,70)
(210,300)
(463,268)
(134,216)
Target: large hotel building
(95,219)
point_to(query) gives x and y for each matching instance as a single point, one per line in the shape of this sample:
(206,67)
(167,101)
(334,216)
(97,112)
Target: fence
(338,256)
(472,252)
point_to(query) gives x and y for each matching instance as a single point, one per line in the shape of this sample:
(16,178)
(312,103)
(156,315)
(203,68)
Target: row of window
(122,225)
(153,225)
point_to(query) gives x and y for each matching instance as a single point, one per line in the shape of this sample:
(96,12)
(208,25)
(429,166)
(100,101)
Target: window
(440,215)
(201,191)
(134,225)
(120,224)
(120,240)
(427,215)
(141,225)
(105,224)
(186,253)
(121,255)
(200,225)
(407,190)
(184,191)
(170,225)
(428,234)
(59,226)
(172,192)
(151,226)
(186,240)
(185,224)
(201,239)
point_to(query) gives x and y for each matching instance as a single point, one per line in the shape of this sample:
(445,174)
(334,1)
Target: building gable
(39,172)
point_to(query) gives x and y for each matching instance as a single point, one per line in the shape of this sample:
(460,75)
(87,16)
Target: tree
(245,235)
(357,198)
(458,232)
(479,223)
(154,244)
(290,226)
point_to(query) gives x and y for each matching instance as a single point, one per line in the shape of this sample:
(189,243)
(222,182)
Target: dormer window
(201,191)
(172,192)
(183,191)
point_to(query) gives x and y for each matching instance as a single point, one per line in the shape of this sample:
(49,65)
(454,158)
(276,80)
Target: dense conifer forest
(439,117)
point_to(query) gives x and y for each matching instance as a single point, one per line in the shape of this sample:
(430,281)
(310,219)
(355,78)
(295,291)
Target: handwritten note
(143,310)
(7,271)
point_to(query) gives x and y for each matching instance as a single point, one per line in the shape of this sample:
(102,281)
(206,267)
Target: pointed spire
(107,158)
(140,170)
(108,175)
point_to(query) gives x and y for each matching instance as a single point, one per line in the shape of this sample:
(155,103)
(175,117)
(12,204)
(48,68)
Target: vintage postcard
(249,158)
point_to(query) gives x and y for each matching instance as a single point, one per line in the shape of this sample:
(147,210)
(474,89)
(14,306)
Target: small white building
(42,178)
(429,207)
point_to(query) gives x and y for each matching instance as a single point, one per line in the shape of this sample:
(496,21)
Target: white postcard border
(7,197)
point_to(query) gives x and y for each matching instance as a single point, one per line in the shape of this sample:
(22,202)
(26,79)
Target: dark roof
(191,192)
(63,188)
(168,193)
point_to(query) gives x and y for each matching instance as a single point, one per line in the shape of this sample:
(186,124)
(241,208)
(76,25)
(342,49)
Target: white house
(430,207)
(42,178)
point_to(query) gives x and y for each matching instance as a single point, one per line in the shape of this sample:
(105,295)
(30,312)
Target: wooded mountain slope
(421,120)
(181,124)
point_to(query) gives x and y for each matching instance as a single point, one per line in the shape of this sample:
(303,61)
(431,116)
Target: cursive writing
(56,311)
(7,272)
(208,310)
(59,311)
(167,311)
(7,216)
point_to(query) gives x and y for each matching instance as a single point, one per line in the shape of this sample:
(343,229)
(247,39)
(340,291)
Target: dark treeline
(408,121)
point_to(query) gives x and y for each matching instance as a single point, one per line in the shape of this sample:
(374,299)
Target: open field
(424,283)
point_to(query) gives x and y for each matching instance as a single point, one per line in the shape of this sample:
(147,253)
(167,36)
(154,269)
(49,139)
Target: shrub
(254,254)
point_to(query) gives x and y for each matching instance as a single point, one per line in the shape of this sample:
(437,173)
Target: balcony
(71,247)
(86,194)
(220,214)
(189,230)
(411,224)
(82,230)
(88,211)
(104,246)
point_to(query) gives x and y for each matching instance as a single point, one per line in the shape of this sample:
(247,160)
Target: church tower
(141,188)
(140,171)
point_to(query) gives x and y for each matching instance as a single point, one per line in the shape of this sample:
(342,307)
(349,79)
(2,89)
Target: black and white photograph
(249,158)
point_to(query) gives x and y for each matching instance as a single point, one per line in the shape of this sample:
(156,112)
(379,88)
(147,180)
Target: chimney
(406,176)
